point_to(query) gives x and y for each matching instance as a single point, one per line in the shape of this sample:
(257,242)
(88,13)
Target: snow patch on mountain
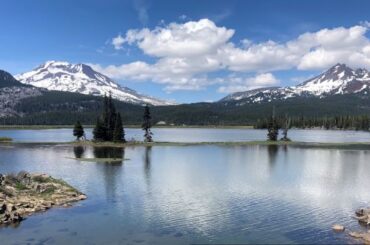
(339,79)
(81,78)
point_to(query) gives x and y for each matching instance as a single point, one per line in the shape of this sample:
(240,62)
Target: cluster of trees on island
(273,126)
(109,125)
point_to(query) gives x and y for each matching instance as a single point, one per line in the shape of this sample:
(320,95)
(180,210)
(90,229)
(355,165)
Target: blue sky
(188,50)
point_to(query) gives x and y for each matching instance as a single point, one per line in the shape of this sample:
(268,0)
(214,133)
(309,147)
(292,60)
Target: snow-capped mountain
(81,78)
(339,79)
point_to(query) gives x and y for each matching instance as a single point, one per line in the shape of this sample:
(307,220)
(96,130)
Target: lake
(192,135)
(196,193)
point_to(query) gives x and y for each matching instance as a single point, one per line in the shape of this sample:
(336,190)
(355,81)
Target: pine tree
(272,128)
(78,130)
(118,133)
(111,118)
(147,125)
(99,131)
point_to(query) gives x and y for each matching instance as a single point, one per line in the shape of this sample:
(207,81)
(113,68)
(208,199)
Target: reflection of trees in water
(147,162)
(79,151)
(111,169)
(109,152)
(272,151)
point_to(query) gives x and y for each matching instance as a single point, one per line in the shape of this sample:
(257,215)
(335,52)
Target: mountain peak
(54,63)
(338,79)
(81,78)
(340,69)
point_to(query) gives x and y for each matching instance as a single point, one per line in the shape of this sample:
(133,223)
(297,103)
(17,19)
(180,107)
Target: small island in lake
(24,193)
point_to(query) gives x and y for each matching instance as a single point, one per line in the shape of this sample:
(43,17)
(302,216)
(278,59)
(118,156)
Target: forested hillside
(60,108)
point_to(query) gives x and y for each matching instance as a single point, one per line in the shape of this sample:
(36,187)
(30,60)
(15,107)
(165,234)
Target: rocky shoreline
(363,217)
(24,193)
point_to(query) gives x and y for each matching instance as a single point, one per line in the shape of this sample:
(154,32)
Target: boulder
(338,228)
(82,197)
(24,178)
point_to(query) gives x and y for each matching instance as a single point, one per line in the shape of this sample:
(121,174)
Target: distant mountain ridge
(12,92)
(339,79)
(7,80)
(81,78)
(22,104)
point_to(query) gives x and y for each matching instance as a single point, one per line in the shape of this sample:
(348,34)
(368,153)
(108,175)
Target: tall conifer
(147,125)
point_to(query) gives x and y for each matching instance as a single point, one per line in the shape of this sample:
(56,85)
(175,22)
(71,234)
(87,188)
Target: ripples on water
(196,194)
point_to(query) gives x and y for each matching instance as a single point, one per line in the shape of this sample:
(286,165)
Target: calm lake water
(195,194)
(193,135)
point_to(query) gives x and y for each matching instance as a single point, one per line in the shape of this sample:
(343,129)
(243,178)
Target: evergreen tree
(99,131)
(272,128)
(147,125)
(111,118)
(108,118)
(78,130)
(118,133)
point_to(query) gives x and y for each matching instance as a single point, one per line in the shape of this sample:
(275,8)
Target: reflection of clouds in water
(213,191)
(327,174)
(204,194)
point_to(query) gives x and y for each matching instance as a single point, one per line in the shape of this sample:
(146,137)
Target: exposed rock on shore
(363,217)
(23,194)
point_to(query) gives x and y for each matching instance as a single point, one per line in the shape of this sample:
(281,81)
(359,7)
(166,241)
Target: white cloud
(185,53)
(309,51)
(174,73)
(236,84)
(180,40)
(118,41)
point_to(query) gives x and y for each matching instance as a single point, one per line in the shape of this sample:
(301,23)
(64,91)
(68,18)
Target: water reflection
(272,151)
(197,194)
(110,153)
(79,151)
(147,163)
(111,169)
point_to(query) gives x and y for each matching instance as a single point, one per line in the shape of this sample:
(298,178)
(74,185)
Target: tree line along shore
(109,126)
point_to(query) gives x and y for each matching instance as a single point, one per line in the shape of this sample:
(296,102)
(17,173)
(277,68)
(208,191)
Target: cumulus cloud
(185,53)
(317,50)
(235,84)
(180,40)
(118,41)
